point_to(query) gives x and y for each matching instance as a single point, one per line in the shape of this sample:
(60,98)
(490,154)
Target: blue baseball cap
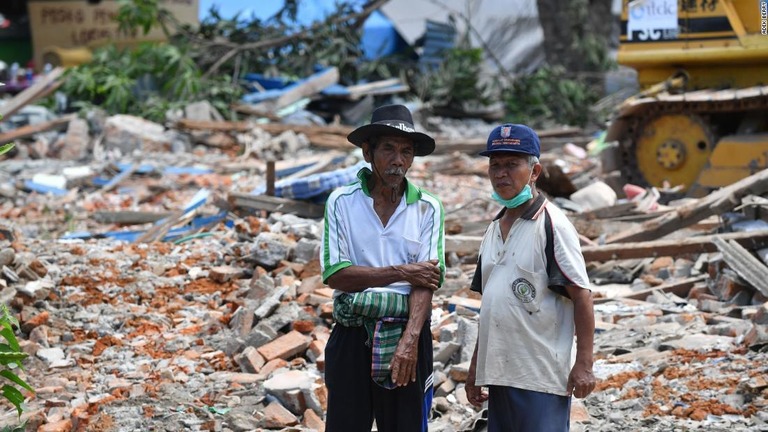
(513,138)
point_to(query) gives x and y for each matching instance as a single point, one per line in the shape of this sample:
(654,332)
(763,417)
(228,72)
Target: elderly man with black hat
(383,243)
(535,297)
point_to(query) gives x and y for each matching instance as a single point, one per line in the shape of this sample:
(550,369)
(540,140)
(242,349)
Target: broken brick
(303,326)
(285,346)
(312,421)
(277,416)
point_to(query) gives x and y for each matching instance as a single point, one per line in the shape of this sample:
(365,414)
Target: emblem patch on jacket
(524,290)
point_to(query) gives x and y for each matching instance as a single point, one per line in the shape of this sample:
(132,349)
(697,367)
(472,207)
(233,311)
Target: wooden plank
(469,244)
(318,166)
(560,132)
(128,217)
(465,302)
(214,126)
(33,129)
(614,211)
(281,165)
(271,178)
(679,288)
(124,174)
(278,128)
(476,145)
(359,90)
(246,109)
(275,204)
(309,87)
(331,142)
(462,244)
(382,87)
(31,93)
(158,231)
(717,202)
(745,264)
(698,245)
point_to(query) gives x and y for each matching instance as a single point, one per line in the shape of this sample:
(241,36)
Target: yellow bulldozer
(700,121)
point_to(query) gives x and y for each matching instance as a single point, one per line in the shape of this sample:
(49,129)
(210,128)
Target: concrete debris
(128,134)
(156,291)
(596,195)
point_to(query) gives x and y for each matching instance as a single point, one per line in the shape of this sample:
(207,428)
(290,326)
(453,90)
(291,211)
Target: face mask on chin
(515,201)
(519,199)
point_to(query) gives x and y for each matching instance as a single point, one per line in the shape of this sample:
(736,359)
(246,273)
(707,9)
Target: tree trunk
(577,33)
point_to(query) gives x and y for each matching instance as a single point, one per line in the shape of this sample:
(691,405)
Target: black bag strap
(549,251)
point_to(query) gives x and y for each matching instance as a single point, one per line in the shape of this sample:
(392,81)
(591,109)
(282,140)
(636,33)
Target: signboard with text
(69,24)
(652,20)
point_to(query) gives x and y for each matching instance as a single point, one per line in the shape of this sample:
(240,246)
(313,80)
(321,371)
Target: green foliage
(549,95)
(11,357)
(596,54)
(587,48)
(456,82)
(135,15)
(145,81)
(5,148)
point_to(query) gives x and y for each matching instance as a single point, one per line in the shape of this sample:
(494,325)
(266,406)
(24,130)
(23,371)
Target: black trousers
(354,400)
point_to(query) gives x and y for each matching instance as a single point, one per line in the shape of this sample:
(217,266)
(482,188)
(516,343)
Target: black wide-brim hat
(393,120)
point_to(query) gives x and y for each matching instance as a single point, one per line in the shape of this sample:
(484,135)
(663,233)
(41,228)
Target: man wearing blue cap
(383,254)
(536,296)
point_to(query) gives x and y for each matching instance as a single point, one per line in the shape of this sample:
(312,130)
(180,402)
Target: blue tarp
(200,198)
(380,38)
(44,189)
(132,236)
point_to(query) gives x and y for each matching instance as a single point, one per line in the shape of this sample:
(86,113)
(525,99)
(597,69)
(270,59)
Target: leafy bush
(11,357)
(456,81)
(5,148)
(547,95)
(145,81)
(135,15)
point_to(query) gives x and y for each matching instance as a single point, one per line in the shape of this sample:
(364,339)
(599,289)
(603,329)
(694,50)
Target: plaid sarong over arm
(384,316)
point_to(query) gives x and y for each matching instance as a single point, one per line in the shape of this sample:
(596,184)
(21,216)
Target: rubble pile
(167,278)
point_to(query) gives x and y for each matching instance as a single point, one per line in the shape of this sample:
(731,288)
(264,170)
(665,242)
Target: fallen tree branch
(367,10)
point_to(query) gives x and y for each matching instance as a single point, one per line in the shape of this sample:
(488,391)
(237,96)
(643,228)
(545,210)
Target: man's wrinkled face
(390,158)
(509,173)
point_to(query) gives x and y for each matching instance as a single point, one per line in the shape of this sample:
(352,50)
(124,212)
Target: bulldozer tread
(634,113)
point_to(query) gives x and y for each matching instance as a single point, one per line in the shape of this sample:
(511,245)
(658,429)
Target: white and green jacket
(354,235)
